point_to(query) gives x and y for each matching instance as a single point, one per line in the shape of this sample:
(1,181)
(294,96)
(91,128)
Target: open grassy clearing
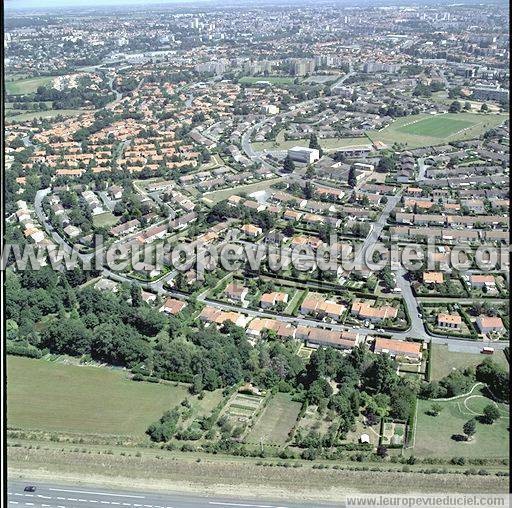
(424,129)
(45,114)
(228,476)
(27,86)
(274,80)
(56,397)
(444,361)
(434,434)
(106,219)
(435,126)
(277,420)
(326,143)
(220,195)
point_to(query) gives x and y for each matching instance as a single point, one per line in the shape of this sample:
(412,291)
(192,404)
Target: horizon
(19,5)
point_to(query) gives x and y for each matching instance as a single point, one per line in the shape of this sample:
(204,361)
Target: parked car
(30,488)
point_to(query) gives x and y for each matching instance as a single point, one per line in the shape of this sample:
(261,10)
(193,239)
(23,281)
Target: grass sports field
(26,86)
(444,360)
(44,395)
(435,126)
(278,418)
(434,433)
(423,130)
(274,80)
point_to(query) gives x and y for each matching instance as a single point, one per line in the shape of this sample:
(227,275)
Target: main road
(56,495)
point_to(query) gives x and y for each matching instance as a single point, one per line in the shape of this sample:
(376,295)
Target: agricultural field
(276,421)
(435,435)
(27,86)
(50,396)
(445,361)
(424,130)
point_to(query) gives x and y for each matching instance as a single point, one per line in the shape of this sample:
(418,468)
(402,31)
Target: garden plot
(393,433)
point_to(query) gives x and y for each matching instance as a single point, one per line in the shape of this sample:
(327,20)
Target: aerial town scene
(255,254)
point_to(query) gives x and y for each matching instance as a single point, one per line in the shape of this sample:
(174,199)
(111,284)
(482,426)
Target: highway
(55,495)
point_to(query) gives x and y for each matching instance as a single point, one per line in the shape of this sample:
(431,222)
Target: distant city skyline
(57,4)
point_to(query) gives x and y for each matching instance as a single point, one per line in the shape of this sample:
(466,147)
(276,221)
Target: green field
(278,418)
(434,433)
(106,219)
(220,195)
(51,396)
(27,86)
(435,126)
(274,80)
(425,129)
(44,114)
(327,143)
(444,361)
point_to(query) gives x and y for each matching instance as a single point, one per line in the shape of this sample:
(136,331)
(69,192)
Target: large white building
(303,154)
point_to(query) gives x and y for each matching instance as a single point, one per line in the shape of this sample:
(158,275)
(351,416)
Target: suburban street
(54,495)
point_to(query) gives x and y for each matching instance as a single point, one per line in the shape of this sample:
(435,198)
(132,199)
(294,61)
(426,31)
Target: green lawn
(278,418)
(435,126)
(52,113)
(220,195)
(27,86)
(425,129)
(51,396)
(106,219)
(275,80)
(434,433)
(327,143)
(444,361)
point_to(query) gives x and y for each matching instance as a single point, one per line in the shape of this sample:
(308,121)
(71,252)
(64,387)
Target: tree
(484,108)
(455,107)
(469,428)
(313,143)
(467,106)
(490,414)
(288,165)
(136,295)
(382,451)
(352,180)
(435,409)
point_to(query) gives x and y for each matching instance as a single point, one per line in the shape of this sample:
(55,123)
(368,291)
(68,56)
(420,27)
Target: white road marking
(126,504)
(13,502)
(72,499)
(114,502)
(46,505)
(83,500)
(246,505)
(97,493)
(44,497)
(18,494)
(61,498)
(92,501)
(105,502)
(29,504)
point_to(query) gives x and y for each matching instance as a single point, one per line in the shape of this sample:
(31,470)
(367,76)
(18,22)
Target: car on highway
(30,488)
